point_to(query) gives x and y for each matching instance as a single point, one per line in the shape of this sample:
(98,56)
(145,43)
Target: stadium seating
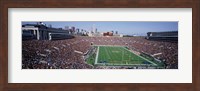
(60,54)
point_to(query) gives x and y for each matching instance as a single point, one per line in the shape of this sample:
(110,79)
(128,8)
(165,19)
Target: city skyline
(123,27)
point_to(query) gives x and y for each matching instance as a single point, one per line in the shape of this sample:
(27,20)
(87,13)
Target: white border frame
(182,75)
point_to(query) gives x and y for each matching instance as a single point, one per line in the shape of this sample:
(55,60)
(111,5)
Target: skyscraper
(66,27)
(116,32)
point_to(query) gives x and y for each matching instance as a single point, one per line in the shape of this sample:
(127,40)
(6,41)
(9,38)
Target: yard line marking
(122,50)
(107,53)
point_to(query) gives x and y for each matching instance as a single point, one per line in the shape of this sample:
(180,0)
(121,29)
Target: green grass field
(117,55)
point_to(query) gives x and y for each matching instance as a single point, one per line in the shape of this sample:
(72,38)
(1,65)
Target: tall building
(77,30)
(96,31)
(66,28)
(93,28)
(72,30)
(112,32)
(82,31)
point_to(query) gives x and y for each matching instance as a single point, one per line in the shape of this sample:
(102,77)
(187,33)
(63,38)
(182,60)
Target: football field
(118,55)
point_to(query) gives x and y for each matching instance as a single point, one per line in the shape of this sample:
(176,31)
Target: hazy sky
(126,27)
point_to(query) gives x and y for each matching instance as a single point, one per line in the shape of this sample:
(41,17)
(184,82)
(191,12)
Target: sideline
(97,55)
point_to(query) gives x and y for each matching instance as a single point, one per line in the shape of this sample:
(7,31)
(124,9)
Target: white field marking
(97,55)
(110,45)
(141,57)
(113,64)
(122,53)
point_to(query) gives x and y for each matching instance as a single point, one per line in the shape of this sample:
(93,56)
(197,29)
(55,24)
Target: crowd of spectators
(59,54)
(68,53)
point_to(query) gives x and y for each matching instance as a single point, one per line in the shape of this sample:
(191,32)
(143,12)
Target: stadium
(73,51)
